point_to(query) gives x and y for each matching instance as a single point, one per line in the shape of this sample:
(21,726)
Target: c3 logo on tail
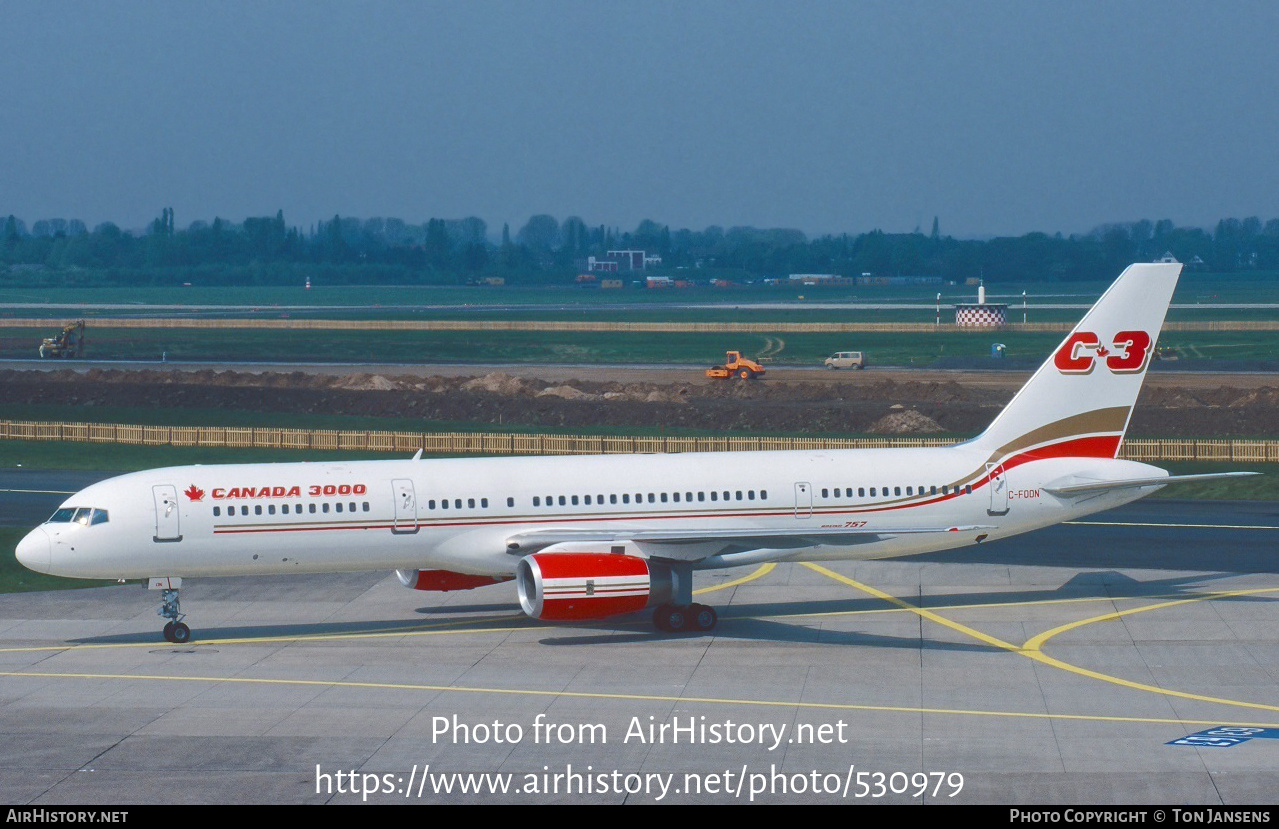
(1127,353)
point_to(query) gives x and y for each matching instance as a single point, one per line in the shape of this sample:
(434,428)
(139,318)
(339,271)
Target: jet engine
(444,580)
(572,586)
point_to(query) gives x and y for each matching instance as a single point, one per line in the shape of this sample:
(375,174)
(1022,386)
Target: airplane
(590,537)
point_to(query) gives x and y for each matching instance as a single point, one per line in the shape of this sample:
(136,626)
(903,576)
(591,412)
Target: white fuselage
(460,514)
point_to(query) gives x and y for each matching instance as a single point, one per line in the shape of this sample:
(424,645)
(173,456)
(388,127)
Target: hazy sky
(998,117)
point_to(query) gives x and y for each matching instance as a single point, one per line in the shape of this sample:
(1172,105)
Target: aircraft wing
(1081,487)
(695,545)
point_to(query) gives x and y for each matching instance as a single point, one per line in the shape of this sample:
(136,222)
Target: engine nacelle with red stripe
(444,580)
(572,586)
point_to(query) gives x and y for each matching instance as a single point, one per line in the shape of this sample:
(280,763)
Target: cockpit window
(84,516)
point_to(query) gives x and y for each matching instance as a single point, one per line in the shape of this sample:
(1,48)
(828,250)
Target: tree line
(347,250)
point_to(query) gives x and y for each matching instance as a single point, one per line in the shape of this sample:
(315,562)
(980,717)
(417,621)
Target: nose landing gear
(171,608)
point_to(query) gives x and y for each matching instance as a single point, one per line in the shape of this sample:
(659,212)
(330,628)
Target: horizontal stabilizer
(1090,487)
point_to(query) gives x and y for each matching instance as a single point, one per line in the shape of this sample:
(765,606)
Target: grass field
(626,305)
(1193,288)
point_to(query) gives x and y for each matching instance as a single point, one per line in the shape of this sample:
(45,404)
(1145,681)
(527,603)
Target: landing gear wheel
(704,617)
(171,609)
(671,618)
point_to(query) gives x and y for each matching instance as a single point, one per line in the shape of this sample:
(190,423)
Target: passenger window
(338,506)
(217,511)
(271,509)
(257,510)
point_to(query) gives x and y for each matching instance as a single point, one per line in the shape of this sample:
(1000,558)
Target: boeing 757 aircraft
(592,537)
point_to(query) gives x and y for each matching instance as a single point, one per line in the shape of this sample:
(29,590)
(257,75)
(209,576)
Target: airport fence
(492,443)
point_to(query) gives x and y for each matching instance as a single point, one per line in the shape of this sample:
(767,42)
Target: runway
(1056,667)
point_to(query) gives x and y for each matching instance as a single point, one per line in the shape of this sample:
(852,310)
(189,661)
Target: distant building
(623,260)
(866,279)
(816,278)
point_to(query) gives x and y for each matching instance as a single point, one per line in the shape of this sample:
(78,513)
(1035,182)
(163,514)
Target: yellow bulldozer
(68,344)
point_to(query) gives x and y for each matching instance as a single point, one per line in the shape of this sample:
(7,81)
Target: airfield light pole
(939,310)
(1023,307)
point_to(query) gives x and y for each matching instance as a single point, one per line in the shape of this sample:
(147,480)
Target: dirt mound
(497,383)
(364,382)
(883,406)
(905,422)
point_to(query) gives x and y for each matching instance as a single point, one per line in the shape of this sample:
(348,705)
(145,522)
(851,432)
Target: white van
(846,359)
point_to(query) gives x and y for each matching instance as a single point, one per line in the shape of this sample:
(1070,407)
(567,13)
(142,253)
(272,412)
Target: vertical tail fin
(1080,400)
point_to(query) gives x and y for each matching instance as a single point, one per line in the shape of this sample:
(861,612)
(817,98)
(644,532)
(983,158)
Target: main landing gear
(681,615)
(674,618)
(175,631)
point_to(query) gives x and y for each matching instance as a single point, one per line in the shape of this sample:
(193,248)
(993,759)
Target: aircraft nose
(33,551)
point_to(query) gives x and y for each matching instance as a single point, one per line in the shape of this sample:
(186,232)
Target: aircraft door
(803,500)
(405,507)
(998,489)
(168,522)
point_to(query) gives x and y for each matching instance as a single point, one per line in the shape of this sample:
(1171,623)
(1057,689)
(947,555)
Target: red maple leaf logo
(1102,351)
(194,493)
